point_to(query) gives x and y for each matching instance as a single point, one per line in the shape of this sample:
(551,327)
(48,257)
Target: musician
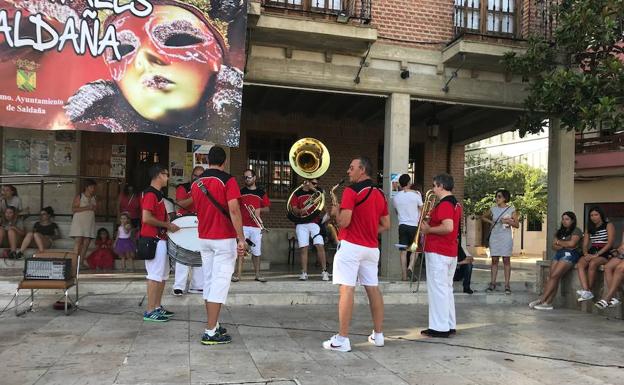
(362,215)
(258,200)
(185,207)
(221,238)
(310,229)
(154,224)
(408,205)
(441,257)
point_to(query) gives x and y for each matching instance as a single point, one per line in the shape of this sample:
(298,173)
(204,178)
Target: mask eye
(179,33)
(125,49)
(128,42)
(182,40)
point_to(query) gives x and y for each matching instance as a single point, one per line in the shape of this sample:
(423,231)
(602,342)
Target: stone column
(396,158)
(560,178)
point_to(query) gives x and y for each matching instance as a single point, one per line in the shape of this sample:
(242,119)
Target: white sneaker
(195,291)
(333,344)
(325,275)
(534,303)
(379,341)
(585,296)
(614,302)
(303,276)
(579,292)
(544,306)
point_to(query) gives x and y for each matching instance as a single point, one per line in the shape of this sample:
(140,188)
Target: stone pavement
(495,344)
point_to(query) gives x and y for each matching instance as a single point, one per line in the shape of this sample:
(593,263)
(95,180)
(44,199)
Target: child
(102,257)
(124,244)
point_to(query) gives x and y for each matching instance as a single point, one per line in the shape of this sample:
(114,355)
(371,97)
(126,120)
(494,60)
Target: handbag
(146,248)
(487,240)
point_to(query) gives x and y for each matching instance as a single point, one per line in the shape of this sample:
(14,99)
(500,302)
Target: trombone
(255,218)
(428,203)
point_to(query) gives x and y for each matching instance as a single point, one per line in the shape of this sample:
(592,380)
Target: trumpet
(252,213)
(429,202)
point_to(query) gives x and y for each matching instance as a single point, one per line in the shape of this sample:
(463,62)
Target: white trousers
(181,276)
(440,271)
(218,261)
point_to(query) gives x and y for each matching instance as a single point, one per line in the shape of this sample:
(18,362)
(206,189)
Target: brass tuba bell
(308,158)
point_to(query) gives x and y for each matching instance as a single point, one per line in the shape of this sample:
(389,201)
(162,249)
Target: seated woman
(43,232)
(9,197)
(566,245)
(597,244)
(614,275)
(13,230)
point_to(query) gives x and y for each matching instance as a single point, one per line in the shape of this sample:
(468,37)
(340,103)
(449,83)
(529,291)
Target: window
(534,224)
(467,14)
(267,155)
(486,16)
(500,16)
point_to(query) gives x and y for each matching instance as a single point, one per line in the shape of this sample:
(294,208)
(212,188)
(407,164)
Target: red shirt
(257,199)
(363,229)
(184,192)
(212,223)
(300,199)
(152,201)
(130,204)
(446,245)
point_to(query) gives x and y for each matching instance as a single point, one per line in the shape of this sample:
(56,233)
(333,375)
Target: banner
(152,66)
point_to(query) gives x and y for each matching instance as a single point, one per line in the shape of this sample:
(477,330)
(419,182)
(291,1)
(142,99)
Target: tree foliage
(526,184)
(577,77)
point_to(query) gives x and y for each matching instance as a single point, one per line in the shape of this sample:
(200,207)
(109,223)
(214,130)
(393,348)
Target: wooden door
(145,150)
(96,161)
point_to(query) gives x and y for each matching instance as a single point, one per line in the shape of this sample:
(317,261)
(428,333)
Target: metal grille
(268,157)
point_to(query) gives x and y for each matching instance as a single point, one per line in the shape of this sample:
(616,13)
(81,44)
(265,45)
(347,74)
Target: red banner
(157,66)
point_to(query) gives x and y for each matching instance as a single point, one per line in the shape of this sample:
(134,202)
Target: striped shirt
(599,237)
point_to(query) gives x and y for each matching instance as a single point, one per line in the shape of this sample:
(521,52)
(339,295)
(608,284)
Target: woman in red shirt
(130,203)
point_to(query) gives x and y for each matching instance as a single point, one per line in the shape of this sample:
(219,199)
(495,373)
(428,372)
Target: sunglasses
(197,175)
(248,177)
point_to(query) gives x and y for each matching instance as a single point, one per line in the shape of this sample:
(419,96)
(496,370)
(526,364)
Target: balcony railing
(513,19)
(598,143)
(340,10)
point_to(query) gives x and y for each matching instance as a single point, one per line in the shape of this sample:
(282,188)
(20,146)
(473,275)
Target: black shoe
(221,330)
(217,339)
(452,332)
(468,290)
(435,333)
(12,255)
(177,292)
(19,255)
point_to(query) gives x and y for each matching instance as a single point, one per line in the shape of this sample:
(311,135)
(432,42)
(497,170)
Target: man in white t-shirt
(408,205)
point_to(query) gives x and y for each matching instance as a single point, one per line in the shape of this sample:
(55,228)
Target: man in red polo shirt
(363,214)
(155,224)
(440,246)
(221,239)
(186,207)
(258,201)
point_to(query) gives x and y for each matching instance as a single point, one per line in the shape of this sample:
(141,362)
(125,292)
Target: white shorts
(305,231)
(218,261)
(158,268)
(254,235)
(354,263)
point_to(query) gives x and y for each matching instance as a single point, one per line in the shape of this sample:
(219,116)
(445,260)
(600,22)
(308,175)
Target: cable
(7,308)
(422,341)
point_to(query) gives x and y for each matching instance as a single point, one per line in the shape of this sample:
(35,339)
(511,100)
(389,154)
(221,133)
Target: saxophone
(332,226)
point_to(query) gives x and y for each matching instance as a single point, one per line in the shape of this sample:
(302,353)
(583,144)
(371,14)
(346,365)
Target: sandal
(507,290)
(602,304)
(491,287)
(261,279)
(235,279)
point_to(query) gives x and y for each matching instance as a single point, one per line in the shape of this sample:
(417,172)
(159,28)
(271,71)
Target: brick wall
(414,22)
(436,161)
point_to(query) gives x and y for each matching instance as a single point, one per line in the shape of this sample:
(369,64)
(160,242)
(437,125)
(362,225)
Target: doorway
(145,150)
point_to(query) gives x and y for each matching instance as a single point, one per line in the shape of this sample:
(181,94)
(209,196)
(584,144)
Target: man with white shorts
(255,199)
(441,247)
(155,224)
(221,238)
(362,215)
(309,230)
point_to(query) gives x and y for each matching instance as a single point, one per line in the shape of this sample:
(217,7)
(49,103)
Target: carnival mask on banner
(157,66)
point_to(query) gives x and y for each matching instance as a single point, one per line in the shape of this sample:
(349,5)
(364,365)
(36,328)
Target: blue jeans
(568,255)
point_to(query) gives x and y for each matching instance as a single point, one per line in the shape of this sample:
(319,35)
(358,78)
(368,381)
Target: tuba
(428,204)
(308,158)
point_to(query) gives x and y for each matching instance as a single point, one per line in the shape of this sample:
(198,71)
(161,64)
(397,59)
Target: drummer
(186,207)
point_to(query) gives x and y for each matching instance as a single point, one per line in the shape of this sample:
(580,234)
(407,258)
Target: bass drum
(183,245)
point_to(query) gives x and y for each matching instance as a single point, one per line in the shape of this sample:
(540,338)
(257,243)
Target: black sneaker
(221,330)
(19,255)
(12,255)
(452,331)
(468,290)
(216,339)
(165,312)
(435,333)
(177,292)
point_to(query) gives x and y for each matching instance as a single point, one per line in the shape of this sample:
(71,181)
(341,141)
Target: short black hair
(48,210)
(404,180)
(366,164)
(216,156)
(505,193)
(12,188)
(253,173)
(88,183)
(444,180)
(155,170)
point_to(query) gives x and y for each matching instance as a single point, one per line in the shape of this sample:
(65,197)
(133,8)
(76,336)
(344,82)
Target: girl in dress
(102,257)
(124,244)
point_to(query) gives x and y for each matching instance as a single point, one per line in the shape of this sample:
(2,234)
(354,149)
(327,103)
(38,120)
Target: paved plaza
(499,341)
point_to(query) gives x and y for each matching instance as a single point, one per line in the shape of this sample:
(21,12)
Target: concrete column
(560,178)
(396,158)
